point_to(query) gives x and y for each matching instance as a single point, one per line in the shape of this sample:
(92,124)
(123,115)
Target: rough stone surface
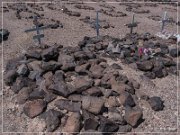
(68,105)
(133,116)
(156,103)
(34,108)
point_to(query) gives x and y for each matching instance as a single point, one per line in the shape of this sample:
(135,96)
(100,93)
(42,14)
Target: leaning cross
(132,24)
(37,29)
(163,21)
(97,23)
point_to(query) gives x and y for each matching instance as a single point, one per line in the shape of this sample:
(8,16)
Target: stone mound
(88,94)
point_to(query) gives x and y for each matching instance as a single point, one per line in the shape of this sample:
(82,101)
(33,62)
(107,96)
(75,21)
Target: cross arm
(40,28)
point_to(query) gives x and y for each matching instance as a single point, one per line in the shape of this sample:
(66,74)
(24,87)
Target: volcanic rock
(35,66)
(112,102)
(126,99)
(12,64)
(125,128)
(71,13)
(82,68)
(33,55)
(116,66)
(20,83)
(75,97)
(174,52)
(52,119)
(92,104)
(150,75)
(33,75)
(37,94)
(4,34)
(58,76)
(145,65)
(34,108)
(67,62)
(50,66)
(135,84)
(107,125)
(60,88)
(156,103)
(50,53)
(94,91)
(90,124)
(97,71)
(116,116)
(68,105)
(23,95)
(133,116)
(160,72)
(23,70)
(73,123)
(10,77)
(81,83)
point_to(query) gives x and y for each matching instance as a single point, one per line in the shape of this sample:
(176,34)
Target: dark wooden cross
(132,25)
(38,36)
(97,23)
(163,21)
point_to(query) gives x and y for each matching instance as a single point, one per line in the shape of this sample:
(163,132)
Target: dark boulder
(174,52)
(52,119)
(90,124)
(50,53)
(68,105)
(133,116)
(145,65)
(10,77)
(107,125)
(156,103)
(34,108)
(4,34)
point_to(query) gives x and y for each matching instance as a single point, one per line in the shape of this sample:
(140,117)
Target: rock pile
(92,22)
(88,94)
(71,13)
(113,13)
(157,64)
(85,7)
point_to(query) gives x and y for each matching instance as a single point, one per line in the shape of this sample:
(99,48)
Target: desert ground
(147,14)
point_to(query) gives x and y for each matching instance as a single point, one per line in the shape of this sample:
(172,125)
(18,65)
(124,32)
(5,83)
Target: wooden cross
(97,23)
(38,36)
(132,24)
(163,21)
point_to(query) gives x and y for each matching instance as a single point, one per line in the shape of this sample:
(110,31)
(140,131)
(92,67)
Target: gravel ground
(74,30)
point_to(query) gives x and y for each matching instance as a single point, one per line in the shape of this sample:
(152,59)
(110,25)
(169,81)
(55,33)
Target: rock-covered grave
(87,93)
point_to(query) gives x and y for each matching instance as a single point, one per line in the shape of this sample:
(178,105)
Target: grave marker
(132,25)
(38,36)
(163,21)
(97,23)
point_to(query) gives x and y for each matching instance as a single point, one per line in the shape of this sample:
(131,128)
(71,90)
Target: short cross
(163,21)
(132,24)
(97,23)
(37,29)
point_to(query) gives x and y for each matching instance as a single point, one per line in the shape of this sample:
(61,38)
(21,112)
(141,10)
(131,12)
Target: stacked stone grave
(92,22)
(158,64)
(88,94)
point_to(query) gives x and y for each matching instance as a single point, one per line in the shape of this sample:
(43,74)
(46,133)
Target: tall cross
(163,21)
(38,36)
(132,24)
(97,23)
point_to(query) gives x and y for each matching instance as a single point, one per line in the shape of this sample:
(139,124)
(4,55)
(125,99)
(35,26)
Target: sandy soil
(74,30)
